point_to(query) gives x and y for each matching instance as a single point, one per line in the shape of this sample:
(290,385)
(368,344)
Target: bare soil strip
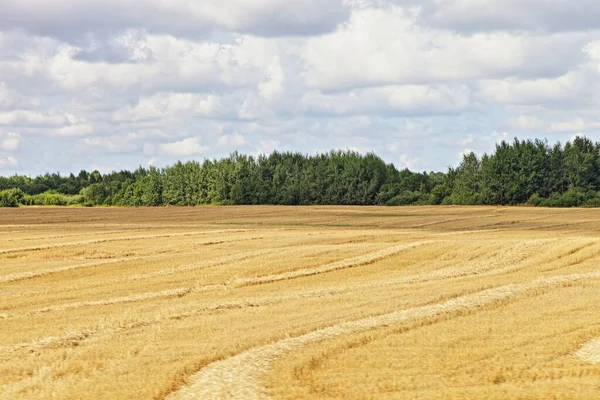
(239,377)
(590,352)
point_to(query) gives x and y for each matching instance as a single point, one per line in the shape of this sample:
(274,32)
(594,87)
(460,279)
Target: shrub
(439,193)
(11,197)
(28,200)
(535,200)
(94,194)
(50,198)
(74,200)
(573,197)
(595,202)
(405,198)
(464,199)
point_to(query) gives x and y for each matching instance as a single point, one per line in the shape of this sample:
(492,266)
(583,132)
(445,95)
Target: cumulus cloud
(9,141)
(111,144)
(68,19)
(387,46)
(187,147)
(575,125)
(532,15)
(29,118)
(399,100)
(232,141)
(70,130)
(568,88)
(9,99)
(268,146)
(8,162)
(165,105)
(180,65)
(130,47)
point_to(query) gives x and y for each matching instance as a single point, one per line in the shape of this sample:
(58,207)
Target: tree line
(522,172)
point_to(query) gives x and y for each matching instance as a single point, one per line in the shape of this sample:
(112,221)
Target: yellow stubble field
(299,303)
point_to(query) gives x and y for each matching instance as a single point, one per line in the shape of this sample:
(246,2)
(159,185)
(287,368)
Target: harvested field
(299,303)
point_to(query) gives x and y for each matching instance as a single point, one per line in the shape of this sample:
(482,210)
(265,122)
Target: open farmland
(295,303)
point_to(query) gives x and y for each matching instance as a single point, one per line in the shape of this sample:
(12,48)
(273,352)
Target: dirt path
(239,377)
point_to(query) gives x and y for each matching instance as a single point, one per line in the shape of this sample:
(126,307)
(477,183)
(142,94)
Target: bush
(50,198)
(465,199)
(405,198)
(11,197)
(94,194)
(74,200)
(573,197)
(592,199)
(594,202)
(28,200)
(535,200)
(439,193)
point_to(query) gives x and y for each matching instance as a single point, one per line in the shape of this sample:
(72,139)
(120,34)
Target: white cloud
(154,63)
(8,162)
(5,98)
(272,87)
(232,141)
(465,140)
(180,65)
(527,122)
(32,118)
(566,88)
(401,99)
(575,125)
(9,99)
(536,15)
(268,146)
(9,141)
(593,51)
(111,144)
(386,46)
(165,105)
(187,147)
(74,130)
(68,18)
(409,161)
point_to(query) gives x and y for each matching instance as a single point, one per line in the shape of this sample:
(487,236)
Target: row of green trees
(520,172)
(532,172)
(280,178)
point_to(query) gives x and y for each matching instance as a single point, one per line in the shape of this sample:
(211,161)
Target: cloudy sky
(114,84)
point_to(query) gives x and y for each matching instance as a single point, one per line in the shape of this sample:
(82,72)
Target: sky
(117,84)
